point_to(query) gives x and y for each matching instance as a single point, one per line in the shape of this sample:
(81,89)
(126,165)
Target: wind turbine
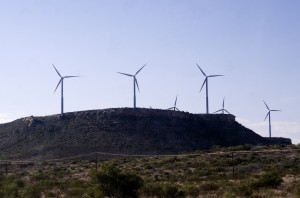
(206,82)
(269,114)
(61,81)
(174,108)
(223,110)
(135,83)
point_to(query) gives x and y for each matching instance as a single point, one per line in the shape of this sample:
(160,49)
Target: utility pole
(6,168)
(232,164)
(96,161)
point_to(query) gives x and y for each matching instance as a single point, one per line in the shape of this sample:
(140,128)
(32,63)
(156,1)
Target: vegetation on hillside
(123,130)
(243,171)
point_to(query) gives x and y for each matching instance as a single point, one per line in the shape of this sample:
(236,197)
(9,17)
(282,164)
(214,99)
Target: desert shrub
(73,183)
(245,188)
(151,189)
(9,186)
(190,190)
(205,171)
(148,166)
(228,194)
(93,192)
(11,191)
(296,190)
(161,190)
(244,147)
(268,180)
(291,166)
(216,148)
(32,191)
(76,192)
(209,186)
(113,183)
(58,172)
(267,193)
(170,190)
(38,176)
(50,194)
(220,162)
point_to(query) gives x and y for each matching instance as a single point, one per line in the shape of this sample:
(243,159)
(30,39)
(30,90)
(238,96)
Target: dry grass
(260,172)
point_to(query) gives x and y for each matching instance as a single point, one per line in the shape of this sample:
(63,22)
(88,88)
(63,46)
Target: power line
(143,155)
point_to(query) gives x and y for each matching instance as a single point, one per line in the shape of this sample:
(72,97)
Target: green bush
(170,190)
(113,183)
(246,188)
(10,186)
(151,189)
(296,190)
(190,190)
(50,194)
(11,191)
(32,191)
(209,186)
(268,180)
(161,190)
(76,192)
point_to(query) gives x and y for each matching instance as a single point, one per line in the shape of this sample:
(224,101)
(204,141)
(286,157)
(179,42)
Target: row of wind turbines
(174,108)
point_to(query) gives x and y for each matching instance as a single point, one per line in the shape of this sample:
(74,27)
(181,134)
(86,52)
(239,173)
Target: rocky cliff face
(123,130)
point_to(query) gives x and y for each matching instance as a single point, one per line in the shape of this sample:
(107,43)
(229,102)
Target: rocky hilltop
(123,130)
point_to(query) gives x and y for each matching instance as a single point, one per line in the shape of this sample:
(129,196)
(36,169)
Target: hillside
(123,130)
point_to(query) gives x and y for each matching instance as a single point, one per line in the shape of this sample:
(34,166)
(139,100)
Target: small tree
(114,183)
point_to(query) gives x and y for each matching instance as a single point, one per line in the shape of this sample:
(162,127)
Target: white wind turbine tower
(61,81)
(206,82)
(269,114)
(223,110)
(174,108)
(135,83)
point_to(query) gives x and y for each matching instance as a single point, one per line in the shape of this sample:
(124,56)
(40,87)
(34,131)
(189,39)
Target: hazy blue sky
(254,43)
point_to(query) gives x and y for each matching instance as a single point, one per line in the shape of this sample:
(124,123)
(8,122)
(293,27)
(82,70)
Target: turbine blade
(203,84)
(267,115)
(70,76)
(140,70)
(137,84)
(58,85)
(201,69)
(126,74)
(223,102)
(56,71)
(214,75)
(175,101)
(217,111)
(177,109)
(170,108)
(227,111)
(275,110)
(266,105)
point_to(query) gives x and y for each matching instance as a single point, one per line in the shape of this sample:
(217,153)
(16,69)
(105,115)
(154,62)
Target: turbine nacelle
(61,78)
(269,110)
(269,115)
(205,82)
(134,76)
(135,82)
(206,77)
(62,87)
